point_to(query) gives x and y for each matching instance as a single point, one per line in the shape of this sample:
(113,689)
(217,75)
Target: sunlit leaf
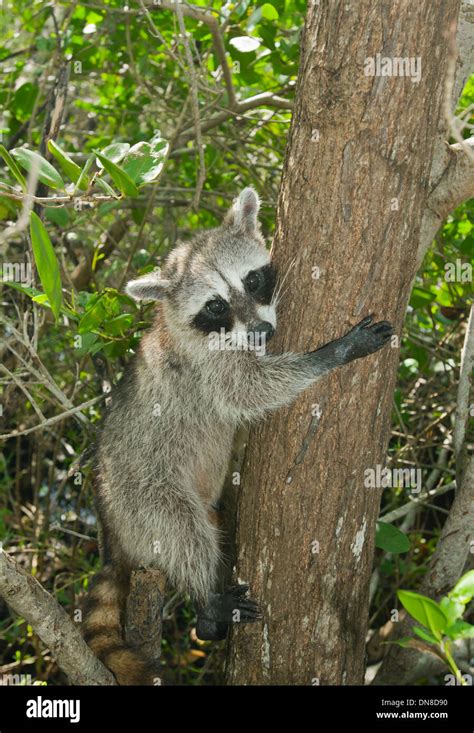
(424,610)
(460,630)
(121,179)
(46,263)
(463,591)
(17,174)
(69,167)
(245,44)
(47,174)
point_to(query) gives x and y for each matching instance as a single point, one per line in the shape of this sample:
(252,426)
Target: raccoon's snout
(263,329)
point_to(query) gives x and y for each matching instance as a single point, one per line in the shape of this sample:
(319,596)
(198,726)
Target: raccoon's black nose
(264,328)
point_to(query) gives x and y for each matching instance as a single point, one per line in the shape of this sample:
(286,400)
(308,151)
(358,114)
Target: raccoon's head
(222,281)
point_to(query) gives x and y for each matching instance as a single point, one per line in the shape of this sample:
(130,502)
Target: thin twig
(194,105)
(53,420)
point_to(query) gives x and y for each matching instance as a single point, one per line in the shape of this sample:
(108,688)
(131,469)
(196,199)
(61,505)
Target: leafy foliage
(121,175)
(442,622)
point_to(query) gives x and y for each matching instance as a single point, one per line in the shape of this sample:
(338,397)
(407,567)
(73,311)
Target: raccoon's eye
(253,281)
(216,307)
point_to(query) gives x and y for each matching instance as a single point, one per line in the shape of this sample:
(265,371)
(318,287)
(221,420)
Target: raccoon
(166,439)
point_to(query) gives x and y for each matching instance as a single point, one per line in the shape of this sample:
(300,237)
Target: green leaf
(463,591)
(46,173)
(460,630)
(451,609)
(40,298)
(425,635)
(88,340)
(391,539)
(93,317)
(118,325)
(46,263)
(30,292)
(23,101)
(121,179)
(18,175)
(9,207)
(421,297)
(105,187)
(116,151)
(269,12)
(405,642)
(58,215)
(84,172)
(69,167)
(144,163)
(424,610)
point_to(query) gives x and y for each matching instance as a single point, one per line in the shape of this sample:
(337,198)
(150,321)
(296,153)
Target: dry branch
(454,186)
(50,622)
(52,420)
(143,617)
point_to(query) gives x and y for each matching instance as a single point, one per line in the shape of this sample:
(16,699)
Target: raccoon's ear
(148,287)
(244,212)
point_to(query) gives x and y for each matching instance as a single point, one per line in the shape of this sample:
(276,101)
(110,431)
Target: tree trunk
(354,189)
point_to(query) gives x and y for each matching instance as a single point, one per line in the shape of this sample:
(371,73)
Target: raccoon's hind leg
(222,609)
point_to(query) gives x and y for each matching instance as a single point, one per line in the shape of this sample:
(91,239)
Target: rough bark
(143,617)
(351,204)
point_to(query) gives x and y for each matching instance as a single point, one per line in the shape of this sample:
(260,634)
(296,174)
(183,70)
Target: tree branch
(405,509)
(454,186)
(264,99)
(235,107)
(189,11)
(50,622)
(203,15)
(465,60)
(460,65)
(463,398)
(53,420)
(194,105)
(401,666)
(143,615)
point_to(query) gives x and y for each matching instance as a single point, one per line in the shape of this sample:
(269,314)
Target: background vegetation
(134,78)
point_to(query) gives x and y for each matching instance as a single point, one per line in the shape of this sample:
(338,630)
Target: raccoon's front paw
(223,609)
(364,338)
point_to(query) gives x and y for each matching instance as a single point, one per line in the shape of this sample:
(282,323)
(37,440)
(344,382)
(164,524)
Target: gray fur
(167,438)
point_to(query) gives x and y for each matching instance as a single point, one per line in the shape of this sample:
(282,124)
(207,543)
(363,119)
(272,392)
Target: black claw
(367,337)
(223,607)
(365,322)
(382,326)
(247,603)
(251,612)
(239,590)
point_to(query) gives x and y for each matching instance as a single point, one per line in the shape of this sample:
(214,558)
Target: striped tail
(102,630)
